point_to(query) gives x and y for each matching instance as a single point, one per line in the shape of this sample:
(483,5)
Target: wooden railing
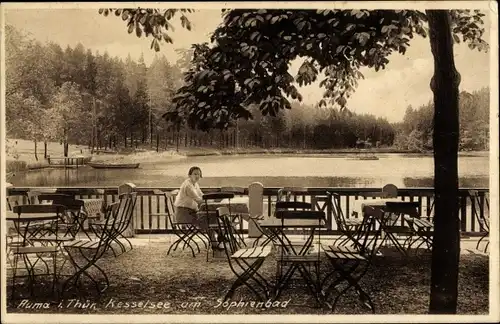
(471,208)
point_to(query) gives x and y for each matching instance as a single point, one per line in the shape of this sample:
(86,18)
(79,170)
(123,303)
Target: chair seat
(34,249)
(396,229)
(257,252)
(344,256)
(353,221)
(308,258)
(425,233)
(82,244)
(343,249)
(422,223)
(293,243)
(40,224)
(53,238)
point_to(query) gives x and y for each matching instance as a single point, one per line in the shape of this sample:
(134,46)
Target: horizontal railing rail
(472,208)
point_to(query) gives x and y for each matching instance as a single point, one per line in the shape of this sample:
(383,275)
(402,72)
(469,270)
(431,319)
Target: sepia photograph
(245,162)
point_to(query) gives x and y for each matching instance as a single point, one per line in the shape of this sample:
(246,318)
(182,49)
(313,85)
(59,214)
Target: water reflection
(464,182)
(272,171)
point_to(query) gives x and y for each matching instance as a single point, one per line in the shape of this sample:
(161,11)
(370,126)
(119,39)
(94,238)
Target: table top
(235,200)
(237,204)
(296,223)
(29,217)
(360,204)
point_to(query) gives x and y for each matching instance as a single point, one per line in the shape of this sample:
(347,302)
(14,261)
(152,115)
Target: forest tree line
(414,133)
(74,95)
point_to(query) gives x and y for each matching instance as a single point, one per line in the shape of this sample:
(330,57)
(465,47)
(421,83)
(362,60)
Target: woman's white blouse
(189,195)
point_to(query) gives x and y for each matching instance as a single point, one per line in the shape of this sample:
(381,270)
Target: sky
(386,93)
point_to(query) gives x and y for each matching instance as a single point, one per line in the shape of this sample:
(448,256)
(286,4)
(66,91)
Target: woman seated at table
(187,201)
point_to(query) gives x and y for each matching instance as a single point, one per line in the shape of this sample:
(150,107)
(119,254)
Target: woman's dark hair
(192,169)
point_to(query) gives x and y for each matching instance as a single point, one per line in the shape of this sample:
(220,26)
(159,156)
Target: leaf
(138,30)
(341,101)
(254,35)
(350,27)
(363,38)
(130,28)
(275,19)
(456,38)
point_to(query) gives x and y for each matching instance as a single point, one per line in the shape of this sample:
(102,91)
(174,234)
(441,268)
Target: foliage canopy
(250,52)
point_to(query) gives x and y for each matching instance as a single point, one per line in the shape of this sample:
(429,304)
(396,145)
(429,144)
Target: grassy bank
(21,154)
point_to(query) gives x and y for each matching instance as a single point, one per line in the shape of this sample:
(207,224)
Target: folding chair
(27,246)
(348,228)
(395,212)
(422,230)
(68,222)
(123,217)
(282,206)
(84,254)
(214,238)
(72,221)
(482,216)
(11,233)
(244,263)
(297,255)
(169,208)
(126,210)
(237,218)
(185,232)
(350,266)
(36,197)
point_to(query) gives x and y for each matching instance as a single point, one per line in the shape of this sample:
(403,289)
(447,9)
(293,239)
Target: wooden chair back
(391,190)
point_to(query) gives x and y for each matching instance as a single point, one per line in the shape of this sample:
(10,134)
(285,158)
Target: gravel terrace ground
(193,286)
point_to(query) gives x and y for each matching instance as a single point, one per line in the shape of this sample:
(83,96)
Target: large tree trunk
(446,243)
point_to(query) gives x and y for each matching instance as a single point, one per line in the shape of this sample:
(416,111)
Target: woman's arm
(194,193)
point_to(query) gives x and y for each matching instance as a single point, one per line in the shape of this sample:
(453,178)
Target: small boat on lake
(114,165)
(367,157)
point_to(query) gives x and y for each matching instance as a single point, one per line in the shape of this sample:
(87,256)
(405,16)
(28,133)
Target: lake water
(271,171)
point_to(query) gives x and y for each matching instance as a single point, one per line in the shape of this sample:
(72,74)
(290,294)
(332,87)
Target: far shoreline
(26,161)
